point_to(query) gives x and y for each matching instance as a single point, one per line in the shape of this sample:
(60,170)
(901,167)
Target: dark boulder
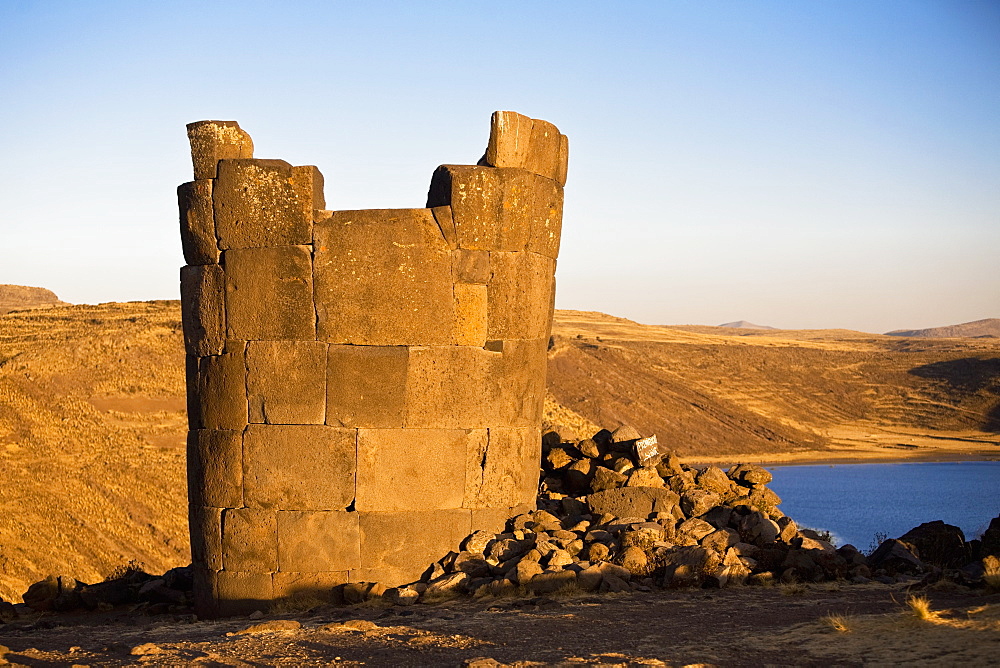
(939,544)
(895,556)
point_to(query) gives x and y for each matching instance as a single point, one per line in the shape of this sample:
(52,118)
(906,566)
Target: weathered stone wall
(364,387)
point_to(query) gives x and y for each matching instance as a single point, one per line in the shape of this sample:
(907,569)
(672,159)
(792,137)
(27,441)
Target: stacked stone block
(364,387)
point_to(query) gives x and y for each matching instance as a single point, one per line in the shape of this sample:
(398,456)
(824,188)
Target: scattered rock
(271,626)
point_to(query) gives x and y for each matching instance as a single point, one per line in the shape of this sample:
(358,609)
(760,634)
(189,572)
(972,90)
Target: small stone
(715,480)
(446,586)
(598,552)
(697,502)
(401,595)
(695,528)
(558,559)
(605,479)
(550,581)
(269,627)
(588,448)
(634,560)
(150,649)
(720,540)
(589,579)
(526,570)
(669,465)
(625,434)
(643,535)
(613,584)
(557,459)
(645,477)
(477,542)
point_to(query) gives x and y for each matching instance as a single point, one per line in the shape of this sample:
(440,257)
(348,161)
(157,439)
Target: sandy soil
(735,627)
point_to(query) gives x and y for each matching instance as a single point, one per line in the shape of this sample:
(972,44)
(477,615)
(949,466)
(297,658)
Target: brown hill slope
(711,393)
(92,417)
(18,297)
(91,441)
(986,327)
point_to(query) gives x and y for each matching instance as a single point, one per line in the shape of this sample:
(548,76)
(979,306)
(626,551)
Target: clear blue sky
(797,164)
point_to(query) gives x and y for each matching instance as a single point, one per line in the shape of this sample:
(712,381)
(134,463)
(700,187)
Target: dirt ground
(748,626)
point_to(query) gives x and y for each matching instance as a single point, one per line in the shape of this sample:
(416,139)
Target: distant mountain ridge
(985,327)
(17,297)
(743,324)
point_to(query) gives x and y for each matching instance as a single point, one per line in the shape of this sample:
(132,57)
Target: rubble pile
(615,513)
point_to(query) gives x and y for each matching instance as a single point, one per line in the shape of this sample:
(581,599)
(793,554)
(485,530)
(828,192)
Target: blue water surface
(856,501)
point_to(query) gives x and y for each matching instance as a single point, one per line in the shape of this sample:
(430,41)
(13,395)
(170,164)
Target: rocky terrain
(21,297)
(92,420)
(573,581)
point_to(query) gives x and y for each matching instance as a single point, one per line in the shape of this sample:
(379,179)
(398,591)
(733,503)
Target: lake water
(856,501)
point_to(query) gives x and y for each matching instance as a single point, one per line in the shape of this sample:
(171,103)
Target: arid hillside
(19,297)
(92,421)
(976,328)
(92,429)
(724,393)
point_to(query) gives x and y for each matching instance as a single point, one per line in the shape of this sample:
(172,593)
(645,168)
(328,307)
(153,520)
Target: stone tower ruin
(364,387)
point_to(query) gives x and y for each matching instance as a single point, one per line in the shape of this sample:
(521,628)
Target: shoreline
(844,458)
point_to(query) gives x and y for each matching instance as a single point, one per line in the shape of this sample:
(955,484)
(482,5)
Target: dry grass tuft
(793,589)
(839,623)
(920,608)
(991,574)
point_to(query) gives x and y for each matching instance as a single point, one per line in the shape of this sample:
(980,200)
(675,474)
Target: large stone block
(261,203)
(366,385)
(215,467)
(491,208)
(546,218)
(470,314)
(269,293)
(205,526)
(222,388)
(412,469)
(249,540)
(520,295)
(451,387)
(318,541)
(299,467)
(310,586)
(544,157)
(470,266)
(212,141)
(563,167)
(397,547)
(532,144)
(309,184)
(510,140)
(502,470)
(521,387)
(632,501)
(286,382)
(203,309)
(193,397)
(494,520)
(194,199)
(241,593)
(446,223)
(383,277)
(205,593)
